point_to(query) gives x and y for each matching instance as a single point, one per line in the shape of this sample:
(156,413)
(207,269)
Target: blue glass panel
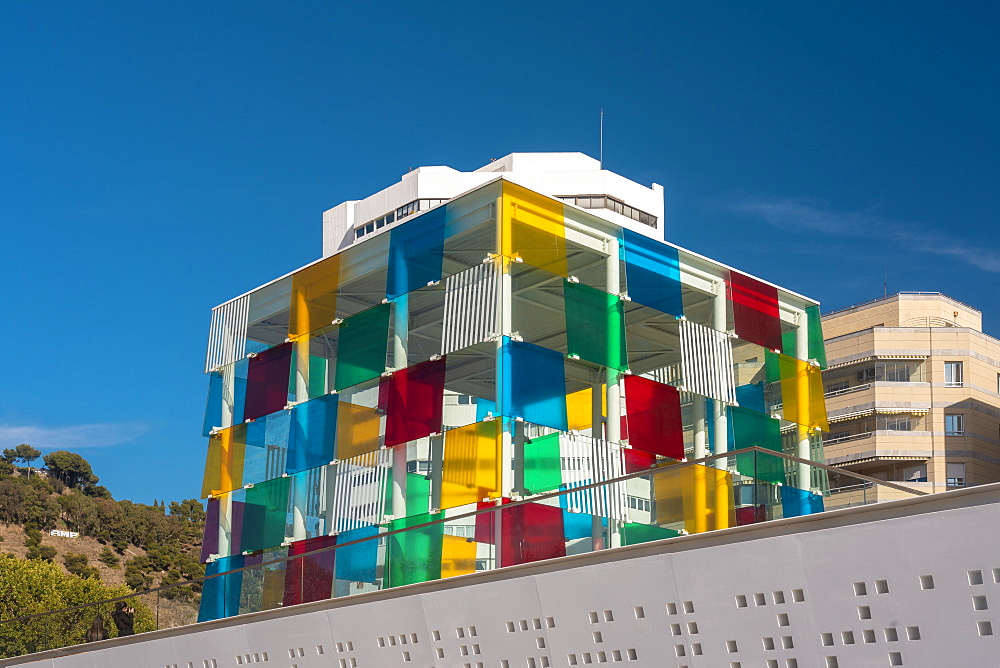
(213,407)
(652,273)
(796,502)
(220,596)
(313,431)
(484,406)
(533,384)
(579,525)
(357,563)
(416,251)
(240,389)
(751,396)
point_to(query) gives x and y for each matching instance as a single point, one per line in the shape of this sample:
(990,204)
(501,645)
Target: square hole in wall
(732,648)
(675,629)
(639,612)
(798,595)
(864,612)
(778,597)
(847,637)
(786,642)
(689,607)
(632,655)
(550,623)
(895,659)
(791,663)
(594,618)
(598,637)
(772,663)
(510,629)
(975,578)
(985,628)
(927,582)
(693,628)
(671,608)
(979,603)
(537,623)
(768,643)
(891,635)
(783,619)
(831,662)
(616,655)
(608,617)
(406,656)
(696,648)
(860,589)
(571,659)
(741,601)
(913,633)
(735,664)
(759,599)
(439,652)
(678,650)
(881,586)
(460,632)
(868,635)
(826,639)
(523,624)
(996,575)
(472,632)
(602,657)
(539,642)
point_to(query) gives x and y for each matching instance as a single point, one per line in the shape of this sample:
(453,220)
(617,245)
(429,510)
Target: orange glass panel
(458,556)
(532,227)
(314,296)
(700,497)
(471,464)
(357,430)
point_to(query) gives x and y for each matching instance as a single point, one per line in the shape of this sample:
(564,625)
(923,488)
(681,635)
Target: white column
(700,426)
(299,501)
(721,432)
(225,523)
(803,447)
(228,395)
(302,368)
(615,394)
(400,346)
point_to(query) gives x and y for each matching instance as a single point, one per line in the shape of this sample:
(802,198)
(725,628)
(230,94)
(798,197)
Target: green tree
(108,557)
(79,565)
(23,453)
(71,468)
(28,587)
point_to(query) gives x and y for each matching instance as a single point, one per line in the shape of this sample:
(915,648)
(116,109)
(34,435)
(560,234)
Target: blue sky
(157,159)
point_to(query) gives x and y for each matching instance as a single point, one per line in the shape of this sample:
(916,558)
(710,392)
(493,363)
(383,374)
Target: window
(612,204)
(838,386)
(953,374)
(639,503)
(954,424)
(956,474)
(894,422)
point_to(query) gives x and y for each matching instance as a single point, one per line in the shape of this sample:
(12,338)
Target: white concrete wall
(840,589)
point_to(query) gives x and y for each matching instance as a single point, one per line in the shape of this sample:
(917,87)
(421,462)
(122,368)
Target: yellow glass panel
(224,468)
(580,407)
(699,496)
(802,393)
(314,297)
(458,556)
(357,430)
(532,227)
(471,468)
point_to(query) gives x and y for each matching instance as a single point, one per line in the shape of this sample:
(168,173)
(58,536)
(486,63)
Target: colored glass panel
(224,465)
(357,430)
(580,407)
(532,227)
(542,464)
(458,556)
(653,417)
(416,253)
(802,393)
(314,296)
(210,540)
(236,375)
(220,596)
(313,434)
(699,496)
(236,508)
(264,514)
(361,352)
(634,533)
(412,400)
(595,325)
(577,525)
(415,555)
(267,381)
(796,502)
(309,578)
(213,405)
(652,271)
(358,562)
(533,384)
(748,428)
(816,346)
(755,310)
(637,460)
(418,494)
(531,532)
(751,396)
(315,374)
(471,467)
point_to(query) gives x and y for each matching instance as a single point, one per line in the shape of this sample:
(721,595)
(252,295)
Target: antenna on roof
(885,280)
(602,138)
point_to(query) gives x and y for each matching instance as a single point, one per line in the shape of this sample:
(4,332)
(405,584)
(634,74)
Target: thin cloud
(797,215)
(73,437)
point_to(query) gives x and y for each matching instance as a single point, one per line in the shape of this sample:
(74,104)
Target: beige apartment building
(913,393)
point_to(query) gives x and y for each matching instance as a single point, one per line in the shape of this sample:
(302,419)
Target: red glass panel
(267,382)
(755,310)
(637,460)
(653,417)
(210,543)
(412,401)
(750,515)
(531,532)
(309,578)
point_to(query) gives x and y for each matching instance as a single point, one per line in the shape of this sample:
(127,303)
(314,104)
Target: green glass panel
(595,325)
(542,470)
(418,494)
(772,367)
(317,376)
(788,342)
(634,533)
(264,514)
(817,351)
(752,428)
(362,346)
(415,555)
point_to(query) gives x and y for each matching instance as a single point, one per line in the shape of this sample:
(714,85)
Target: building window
(894,423)
(838,386)
(953,374)
(612,204)
(956,474)
(639,503)
(954,424)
